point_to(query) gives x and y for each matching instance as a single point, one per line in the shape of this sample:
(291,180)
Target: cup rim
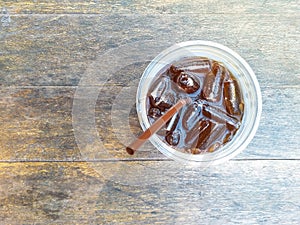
(219,155)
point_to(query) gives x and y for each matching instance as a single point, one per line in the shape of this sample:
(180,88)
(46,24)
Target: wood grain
(36,124)
(56,50)
(47,48)
(157,6)
(250,192)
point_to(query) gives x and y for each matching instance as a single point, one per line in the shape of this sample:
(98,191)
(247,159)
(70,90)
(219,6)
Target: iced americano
(215,113)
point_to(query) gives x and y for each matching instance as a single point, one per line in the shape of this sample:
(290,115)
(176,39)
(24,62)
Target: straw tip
(130,151)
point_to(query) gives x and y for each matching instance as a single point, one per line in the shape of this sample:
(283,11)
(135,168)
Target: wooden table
(65,66)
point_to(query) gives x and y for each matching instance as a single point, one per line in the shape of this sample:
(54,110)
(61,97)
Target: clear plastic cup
(249,88)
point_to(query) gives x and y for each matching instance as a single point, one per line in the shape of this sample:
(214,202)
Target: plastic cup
(250,91)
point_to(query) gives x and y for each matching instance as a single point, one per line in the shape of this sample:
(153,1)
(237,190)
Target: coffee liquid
(214,115)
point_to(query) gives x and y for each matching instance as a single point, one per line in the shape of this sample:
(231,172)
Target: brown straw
(158,124)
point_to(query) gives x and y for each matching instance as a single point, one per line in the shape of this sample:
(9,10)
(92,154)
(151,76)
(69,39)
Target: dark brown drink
(214,115)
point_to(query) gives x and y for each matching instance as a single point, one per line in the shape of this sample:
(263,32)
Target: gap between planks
(93,86)
(142,13)
(130,160)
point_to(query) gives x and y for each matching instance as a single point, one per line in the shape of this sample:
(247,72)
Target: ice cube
(213,82)
(162,96)
(154,112)
(173,138)
(160,86)
(232,97)
(192,135)
(191,116)
(166,101)
(188,82)
(206,129)
(193,64)
(220,116)
(215,136)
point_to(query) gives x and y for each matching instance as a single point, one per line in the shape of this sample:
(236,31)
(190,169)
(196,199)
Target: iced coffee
(215,113)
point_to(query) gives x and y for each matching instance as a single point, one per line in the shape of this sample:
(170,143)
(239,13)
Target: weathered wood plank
(58,49)
(238,192)
(36,124)
(158,6)
(40,51)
